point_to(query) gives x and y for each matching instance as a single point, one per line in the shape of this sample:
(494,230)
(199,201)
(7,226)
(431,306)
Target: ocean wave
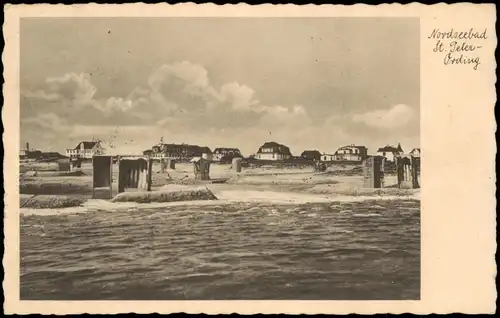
(238,250)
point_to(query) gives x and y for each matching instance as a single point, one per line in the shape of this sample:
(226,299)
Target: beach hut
(201,168)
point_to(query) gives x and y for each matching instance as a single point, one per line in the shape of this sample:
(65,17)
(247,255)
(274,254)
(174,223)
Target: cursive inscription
(459,47)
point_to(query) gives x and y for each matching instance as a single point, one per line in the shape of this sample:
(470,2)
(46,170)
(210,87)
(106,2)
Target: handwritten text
(459,47)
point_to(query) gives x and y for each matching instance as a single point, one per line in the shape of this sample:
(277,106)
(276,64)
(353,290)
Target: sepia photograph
(249,159)
(220,158)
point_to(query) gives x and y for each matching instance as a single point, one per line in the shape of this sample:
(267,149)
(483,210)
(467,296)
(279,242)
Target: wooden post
(110,178)
(162,165)
(121,176)
(415,165)
(93,178)
(149,175)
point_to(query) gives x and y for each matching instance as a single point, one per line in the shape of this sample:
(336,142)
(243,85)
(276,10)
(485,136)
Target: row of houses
(270,150)
(349,153)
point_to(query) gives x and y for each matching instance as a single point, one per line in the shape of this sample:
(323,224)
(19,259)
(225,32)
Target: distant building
(226,154)
(50,155)
(327,157)
(351,153)
(415,152)
(311,155)
(390,152)
(33,154)
(23,153)
(147,152)
(273,151)
(85,150)
(180,151)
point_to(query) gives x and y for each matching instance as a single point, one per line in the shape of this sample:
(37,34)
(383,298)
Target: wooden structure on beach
(408,171)
(373,172)
(134,173)
(102,176)
(201,168)
(64,165)
(236,164)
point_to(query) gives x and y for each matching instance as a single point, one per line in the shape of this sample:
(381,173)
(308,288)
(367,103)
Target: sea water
(346,250)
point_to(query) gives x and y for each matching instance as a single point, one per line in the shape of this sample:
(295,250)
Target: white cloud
(239,97)
(180,103)
(118,104)
(72,86)
(397,116)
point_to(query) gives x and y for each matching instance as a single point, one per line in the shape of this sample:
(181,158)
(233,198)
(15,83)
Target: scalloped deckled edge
(360,5)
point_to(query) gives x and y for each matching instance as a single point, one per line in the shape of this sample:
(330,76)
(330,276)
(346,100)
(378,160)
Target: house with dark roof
(180,151)
(273,151)
(226,153)
(311,155)
(85,150)
(390,152)
(350,153)
(50,156)
(415,152)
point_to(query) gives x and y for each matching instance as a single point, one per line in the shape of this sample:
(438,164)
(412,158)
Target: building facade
(226,153)
(327,157)
(85,150)
(273,151)
(179,151)
(390,152)
(351,153)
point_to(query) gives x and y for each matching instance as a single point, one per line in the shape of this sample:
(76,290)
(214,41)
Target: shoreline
(226,197)
(42,190)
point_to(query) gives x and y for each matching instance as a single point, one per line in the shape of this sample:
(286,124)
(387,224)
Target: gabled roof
(86,144)
(270,144)
(391,149)
(185,147)
(352,146)
(417,149)
(311,153)
(52,154)
(205,149)
(217,150)
(279,148)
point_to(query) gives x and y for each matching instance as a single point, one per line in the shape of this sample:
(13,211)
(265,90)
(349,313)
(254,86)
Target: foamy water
(224,198)
(349,248)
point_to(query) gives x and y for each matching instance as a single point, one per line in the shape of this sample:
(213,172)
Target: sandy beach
(43,187)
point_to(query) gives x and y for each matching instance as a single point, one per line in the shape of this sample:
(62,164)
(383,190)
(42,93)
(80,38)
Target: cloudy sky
(307,83)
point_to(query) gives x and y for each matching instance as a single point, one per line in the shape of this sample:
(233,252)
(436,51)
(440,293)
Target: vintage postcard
(249,159)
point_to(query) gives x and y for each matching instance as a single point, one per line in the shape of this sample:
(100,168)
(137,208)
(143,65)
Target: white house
(273,151)
(327,157)
(351,153)
(85,150)
(390,152)
(415,152)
